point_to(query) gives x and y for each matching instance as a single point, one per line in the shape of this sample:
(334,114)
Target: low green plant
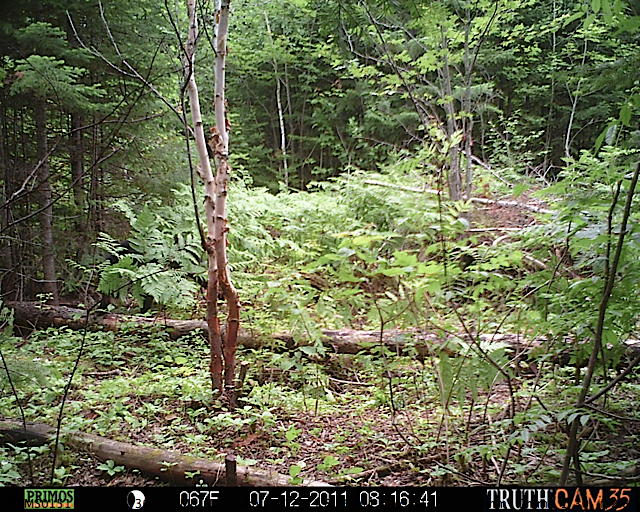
(63,473)
(294,471)
(328,463)
(9,474)
(110,468)
(291,435)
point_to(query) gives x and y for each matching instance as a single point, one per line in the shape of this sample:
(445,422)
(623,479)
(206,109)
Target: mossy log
(170,466)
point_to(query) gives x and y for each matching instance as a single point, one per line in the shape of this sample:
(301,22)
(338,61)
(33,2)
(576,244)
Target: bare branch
(133,73)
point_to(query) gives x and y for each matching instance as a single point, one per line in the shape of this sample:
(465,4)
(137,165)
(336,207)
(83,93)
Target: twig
(133,73)
(624,372)
(484,230)
(349,382)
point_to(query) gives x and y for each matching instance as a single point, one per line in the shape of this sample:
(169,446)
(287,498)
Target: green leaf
(310,351)
(587,23)
(516,256)
(294,470)
(328,462)
(391,272)
(347,277)
(404,259)
(625,114)
(363,240)
(292,433)
(572,18)
(595,5)
(345,252)
(286,364)
(429,269)
(519,189)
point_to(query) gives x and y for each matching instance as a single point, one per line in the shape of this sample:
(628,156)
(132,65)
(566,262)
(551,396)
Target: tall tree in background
(105,137)
(44,77)
(283,137)
(426,58)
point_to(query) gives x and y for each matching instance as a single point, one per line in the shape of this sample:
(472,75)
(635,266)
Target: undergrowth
(458,397)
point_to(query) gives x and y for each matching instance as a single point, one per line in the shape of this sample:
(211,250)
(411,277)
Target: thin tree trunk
(468,120)
(12,279)
(76,161)
(76,157)
(95,212)
(454,178)
(46,217)
(6,260)
(574,105)
(547,142)
(283,138)
(213,323)
(223,170)
(612,271)
(216,190)
(287,88)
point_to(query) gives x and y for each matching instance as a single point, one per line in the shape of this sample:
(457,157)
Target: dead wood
(168,465)
(480,200)
(345,341)
(32,315)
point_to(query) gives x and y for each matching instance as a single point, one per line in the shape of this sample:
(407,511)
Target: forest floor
(410,447)
(362,419)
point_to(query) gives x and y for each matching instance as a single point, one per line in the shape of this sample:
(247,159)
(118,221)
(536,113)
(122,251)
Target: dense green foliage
(329,88)
(350,124)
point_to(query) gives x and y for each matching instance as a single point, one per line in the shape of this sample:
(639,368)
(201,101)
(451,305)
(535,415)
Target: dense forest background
(451,168)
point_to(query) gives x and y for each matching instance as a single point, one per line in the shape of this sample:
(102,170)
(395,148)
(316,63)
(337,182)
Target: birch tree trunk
(223,355)
(283,138)
(221,152)
(215,345)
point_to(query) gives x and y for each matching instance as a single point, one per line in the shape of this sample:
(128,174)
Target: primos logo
(48,498)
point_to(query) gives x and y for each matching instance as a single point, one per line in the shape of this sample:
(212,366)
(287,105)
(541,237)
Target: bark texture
(222,348)
(46,205)
(220,144)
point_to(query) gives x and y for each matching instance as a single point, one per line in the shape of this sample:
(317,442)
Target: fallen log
(33,315)
(168,465)
(480,200)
